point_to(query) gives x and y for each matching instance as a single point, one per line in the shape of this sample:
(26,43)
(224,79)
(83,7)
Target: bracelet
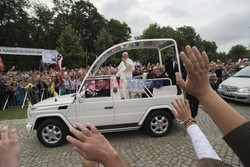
(189,122)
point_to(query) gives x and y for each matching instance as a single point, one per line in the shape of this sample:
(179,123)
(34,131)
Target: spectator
(204,151)
(2,93)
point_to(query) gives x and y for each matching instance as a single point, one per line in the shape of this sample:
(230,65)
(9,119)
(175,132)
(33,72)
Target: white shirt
(201,145)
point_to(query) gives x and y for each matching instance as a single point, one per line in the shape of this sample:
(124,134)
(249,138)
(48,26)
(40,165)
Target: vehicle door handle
(108,107)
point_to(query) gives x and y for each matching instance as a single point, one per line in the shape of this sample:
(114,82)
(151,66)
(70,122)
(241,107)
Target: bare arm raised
(197,84)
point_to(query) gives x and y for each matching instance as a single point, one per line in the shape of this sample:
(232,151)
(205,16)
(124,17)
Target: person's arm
(197,84)
(93,146)
(229,121)
(129,64)
(201,145)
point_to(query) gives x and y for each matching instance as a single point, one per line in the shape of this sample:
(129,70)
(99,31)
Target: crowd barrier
(21,98)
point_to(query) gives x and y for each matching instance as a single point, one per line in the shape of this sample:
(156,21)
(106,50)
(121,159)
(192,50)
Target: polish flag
(1,65)
(13,68)
(59,63)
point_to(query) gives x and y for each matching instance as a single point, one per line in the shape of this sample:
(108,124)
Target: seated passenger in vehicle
(157,73)
(97,93)
(160,73)
(102,89)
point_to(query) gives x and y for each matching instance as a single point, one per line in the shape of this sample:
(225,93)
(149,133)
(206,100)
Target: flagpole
(86,57)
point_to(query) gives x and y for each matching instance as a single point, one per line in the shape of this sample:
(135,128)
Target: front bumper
(241,97)
(29,127)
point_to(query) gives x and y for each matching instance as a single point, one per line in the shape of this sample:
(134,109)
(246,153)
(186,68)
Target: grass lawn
(13,113)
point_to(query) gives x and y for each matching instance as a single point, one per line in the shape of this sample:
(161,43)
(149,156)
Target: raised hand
(9,148)
(181,109)
(197,66)
(93,146)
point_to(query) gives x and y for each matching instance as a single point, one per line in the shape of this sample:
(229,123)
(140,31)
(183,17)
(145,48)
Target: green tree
(14,23)
(189,37)
(87,22)
(210,48)
(62,10)
(153,31)
(237,51)
(120,31)
(103,41)
(70,47)
(43,33)
(222,56)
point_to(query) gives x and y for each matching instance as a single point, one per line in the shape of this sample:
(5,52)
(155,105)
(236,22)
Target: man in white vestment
(125,69)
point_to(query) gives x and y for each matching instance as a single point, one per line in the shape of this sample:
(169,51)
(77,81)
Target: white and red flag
(13,68)
(59,63)
(1,64)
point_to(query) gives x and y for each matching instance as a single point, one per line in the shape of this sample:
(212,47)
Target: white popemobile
(109,112)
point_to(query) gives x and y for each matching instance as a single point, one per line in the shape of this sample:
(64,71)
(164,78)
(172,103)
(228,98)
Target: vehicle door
(95,108)
(129,111)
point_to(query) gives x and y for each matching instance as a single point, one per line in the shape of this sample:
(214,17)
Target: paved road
(136,147)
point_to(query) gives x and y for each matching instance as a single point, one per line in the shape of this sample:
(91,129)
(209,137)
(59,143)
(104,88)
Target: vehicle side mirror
(81,94)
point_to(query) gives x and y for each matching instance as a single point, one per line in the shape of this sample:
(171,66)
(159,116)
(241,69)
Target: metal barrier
(21,98)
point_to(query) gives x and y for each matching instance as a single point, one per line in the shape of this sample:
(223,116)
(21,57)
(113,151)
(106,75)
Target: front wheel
(158,123)
(52,133)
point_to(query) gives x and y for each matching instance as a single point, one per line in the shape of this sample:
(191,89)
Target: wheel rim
(51,134)
(159,124)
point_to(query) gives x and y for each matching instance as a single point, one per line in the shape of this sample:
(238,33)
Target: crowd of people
(14,84)
(95,148)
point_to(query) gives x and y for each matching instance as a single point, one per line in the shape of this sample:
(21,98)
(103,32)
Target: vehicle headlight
(220,86)
(244,90)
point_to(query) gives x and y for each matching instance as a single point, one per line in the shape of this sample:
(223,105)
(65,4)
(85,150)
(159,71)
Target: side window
(98,87)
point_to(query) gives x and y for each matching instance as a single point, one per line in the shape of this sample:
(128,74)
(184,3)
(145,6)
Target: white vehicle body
(237,87)
(110,113)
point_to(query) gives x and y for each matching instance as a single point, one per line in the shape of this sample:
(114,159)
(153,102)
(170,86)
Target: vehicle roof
(161,43)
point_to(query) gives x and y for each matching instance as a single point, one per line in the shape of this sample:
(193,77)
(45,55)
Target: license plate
(226,93)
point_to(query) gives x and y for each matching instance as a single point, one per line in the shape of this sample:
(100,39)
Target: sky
(226,22)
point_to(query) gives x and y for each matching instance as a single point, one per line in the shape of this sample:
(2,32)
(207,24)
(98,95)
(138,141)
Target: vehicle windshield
(243,73)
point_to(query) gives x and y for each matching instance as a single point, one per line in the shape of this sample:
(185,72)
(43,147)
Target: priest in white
(125,69)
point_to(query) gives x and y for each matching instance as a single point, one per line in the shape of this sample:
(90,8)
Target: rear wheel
(52,132)
(158,123)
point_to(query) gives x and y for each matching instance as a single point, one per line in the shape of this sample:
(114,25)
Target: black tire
(160,128)
(52,132)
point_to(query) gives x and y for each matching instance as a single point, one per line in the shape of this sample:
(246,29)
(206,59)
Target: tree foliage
(120,32)
(237,51)
(69,45)
(24,23)
(43,33)
(103,41)
(87,22)
(14,23)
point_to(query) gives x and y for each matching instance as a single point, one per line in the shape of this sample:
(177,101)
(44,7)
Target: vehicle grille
(229,88)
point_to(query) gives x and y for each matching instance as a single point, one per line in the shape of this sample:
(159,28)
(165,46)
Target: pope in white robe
(125,69)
